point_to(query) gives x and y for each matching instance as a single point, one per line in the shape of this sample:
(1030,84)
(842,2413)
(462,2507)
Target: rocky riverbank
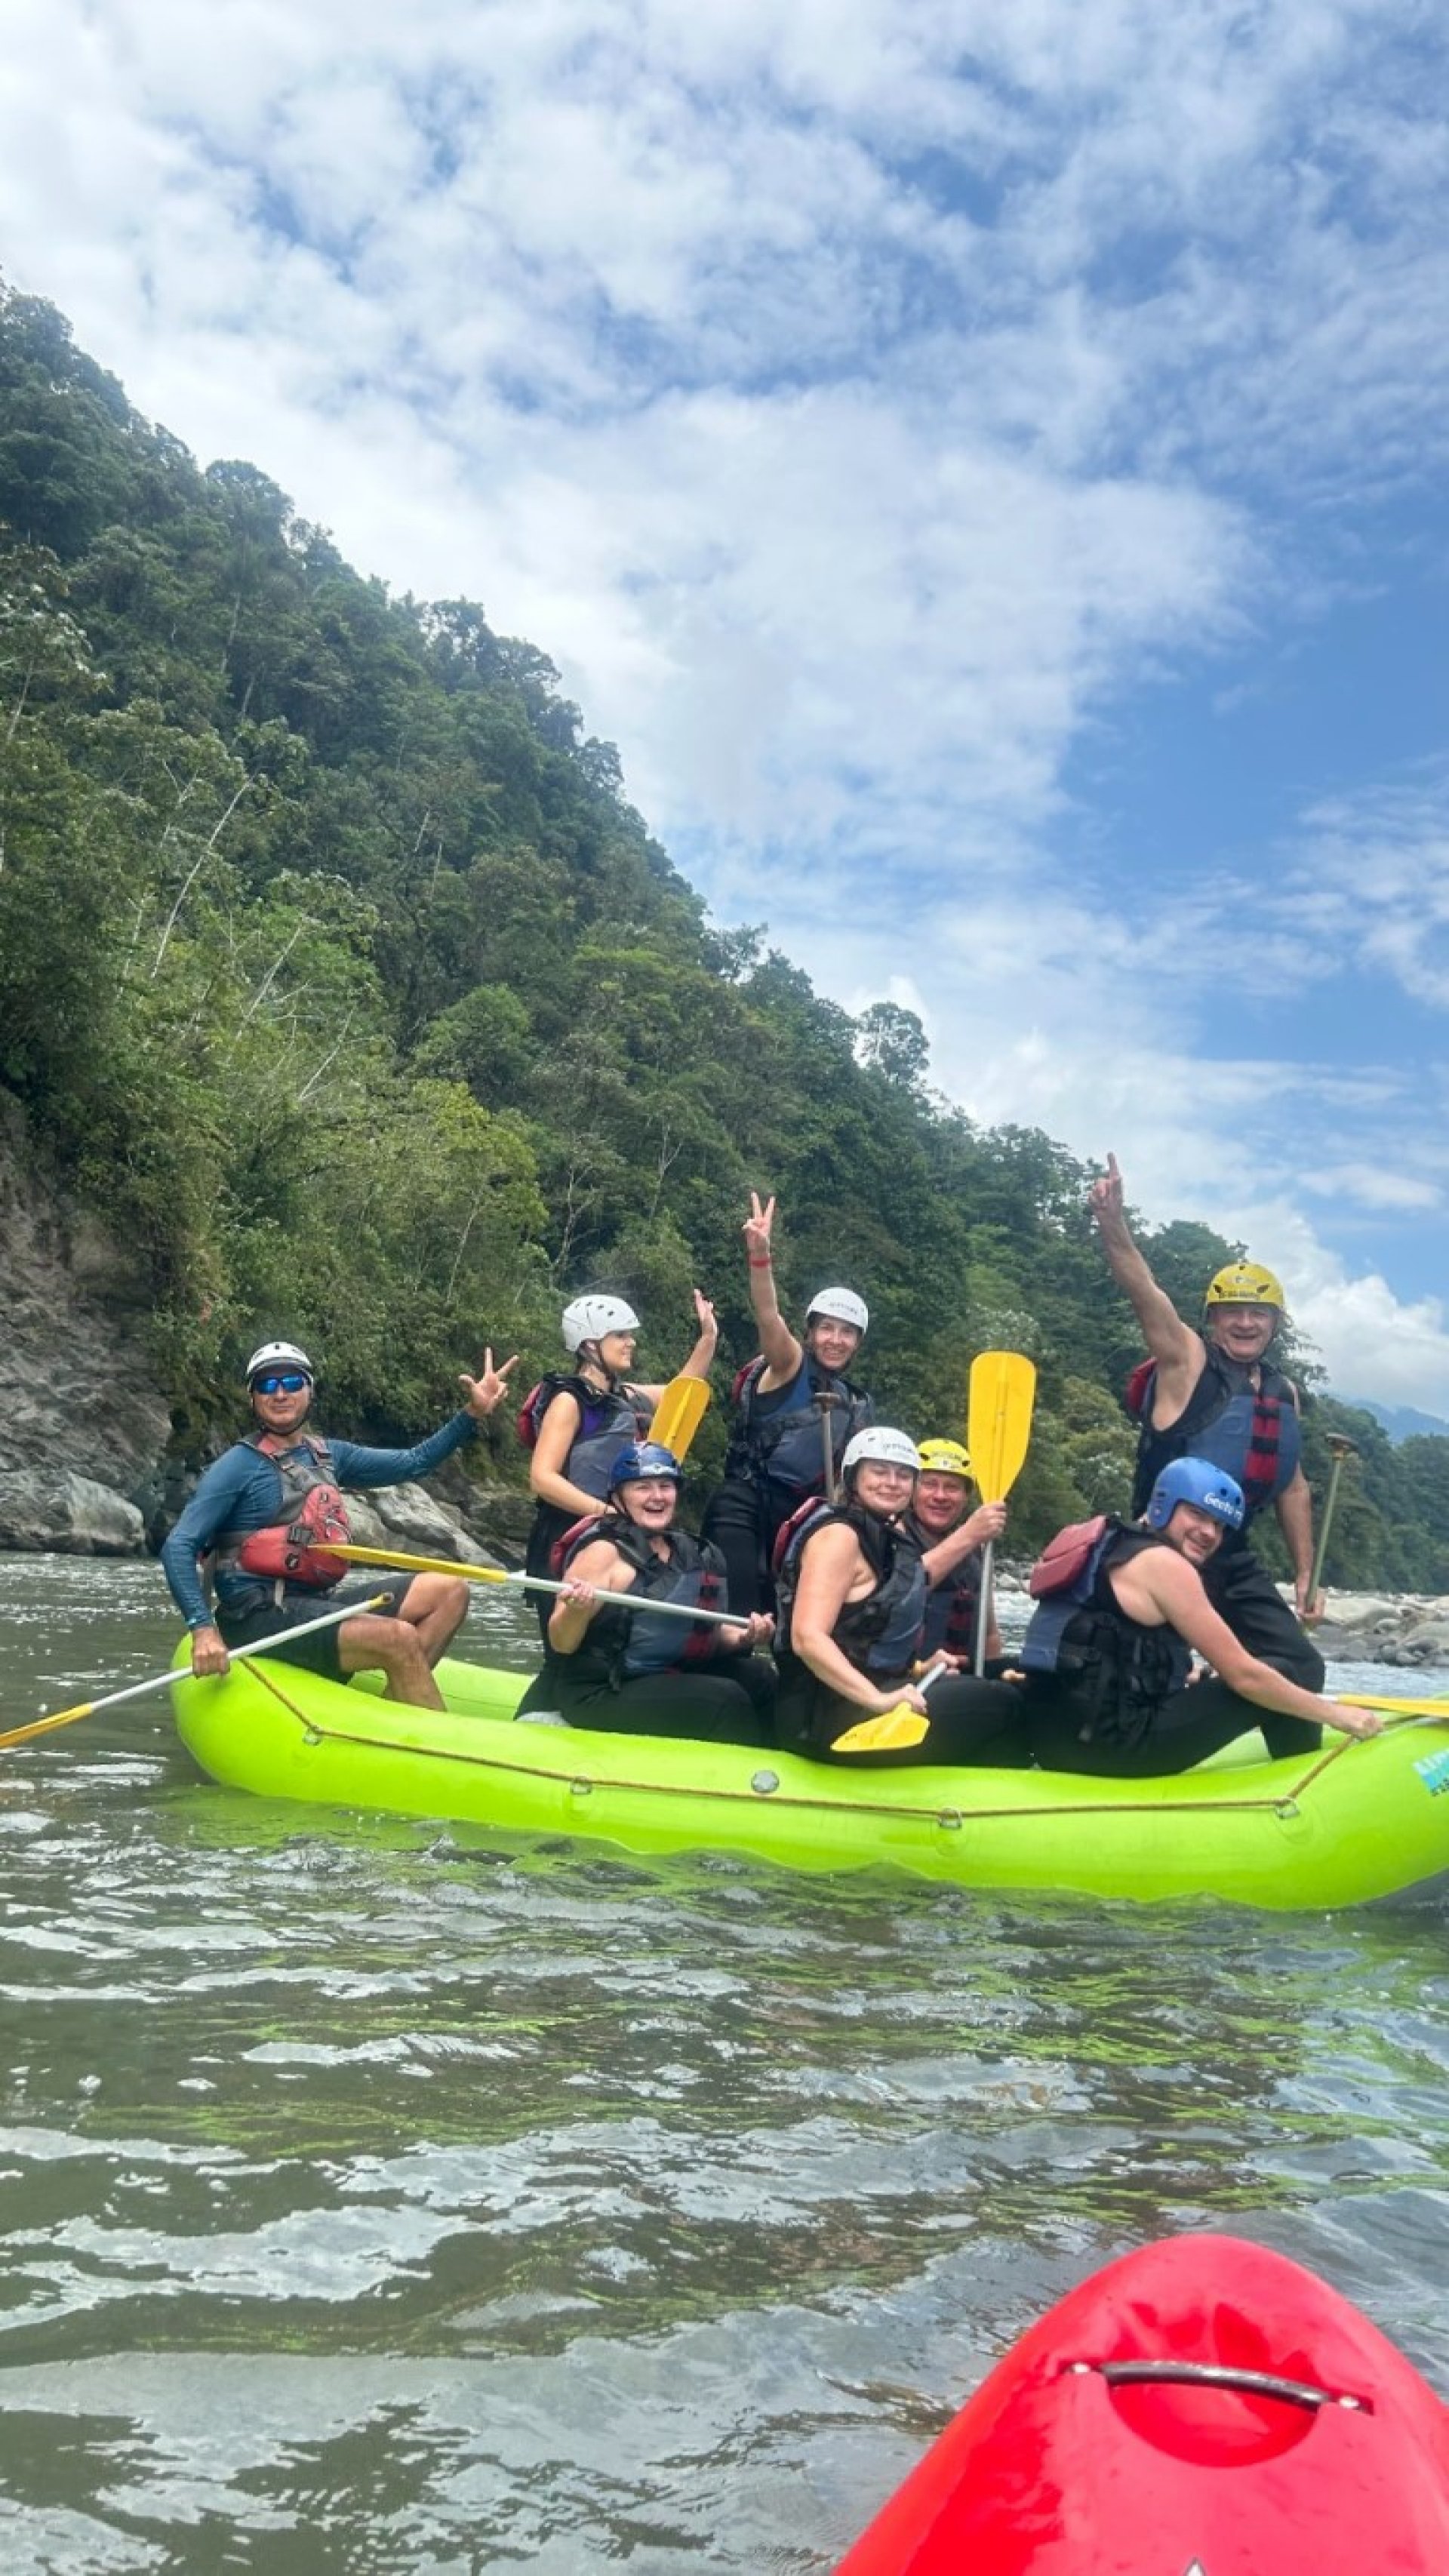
(87,1456)
(1406,1628)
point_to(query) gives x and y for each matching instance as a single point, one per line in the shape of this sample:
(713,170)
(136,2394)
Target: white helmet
(279,1355)
(589,1318)
(842,1305)
(882,1448)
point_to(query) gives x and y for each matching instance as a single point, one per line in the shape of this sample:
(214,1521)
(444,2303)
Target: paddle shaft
(983,1609)
(822,1401)
(173,1673)
(531,1583)
(1342,1448)
(1001,1394)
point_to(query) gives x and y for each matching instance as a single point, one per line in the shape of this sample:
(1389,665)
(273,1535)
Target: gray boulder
(411,1516)
(68,1513)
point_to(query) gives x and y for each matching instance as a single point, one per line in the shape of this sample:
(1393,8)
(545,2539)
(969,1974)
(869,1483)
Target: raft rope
(1284,1804)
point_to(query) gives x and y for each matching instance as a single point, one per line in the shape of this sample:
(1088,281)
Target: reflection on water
(380,2196)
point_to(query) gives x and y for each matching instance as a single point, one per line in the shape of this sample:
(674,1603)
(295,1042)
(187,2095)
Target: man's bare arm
(1294,1508)
(1177,1349)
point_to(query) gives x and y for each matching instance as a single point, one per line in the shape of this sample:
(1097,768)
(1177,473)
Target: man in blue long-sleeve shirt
(265,1509)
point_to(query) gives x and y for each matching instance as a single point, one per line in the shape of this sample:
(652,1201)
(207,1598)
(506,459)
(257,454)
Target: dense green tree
(336,968)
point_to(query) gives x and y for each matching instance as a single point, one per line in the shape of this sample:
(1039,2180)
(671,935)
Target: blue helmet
(644,1458)
(1197,1481)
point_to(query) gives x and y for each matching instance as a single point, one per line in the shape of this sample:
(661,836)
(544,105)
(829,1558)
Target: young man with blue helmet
(1121,1610)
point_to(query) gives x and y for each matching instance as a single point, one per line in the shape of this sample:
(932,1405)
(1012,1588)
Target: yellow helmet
(1245,1283)
(944,1458)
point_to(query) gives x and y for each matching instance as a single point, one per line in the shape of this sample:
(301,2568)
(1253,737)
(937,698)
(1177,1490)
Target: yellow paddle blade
(43,1725)
(418,1564)
(682,1408)
(998,1429)
(890,1733)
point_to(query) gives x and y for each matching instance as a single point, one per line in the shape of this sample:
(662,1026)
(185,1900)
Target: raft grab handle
(1217,2374)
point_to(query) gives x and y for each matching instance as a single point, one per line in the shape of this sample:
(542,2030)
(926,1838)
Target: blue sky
(983,464)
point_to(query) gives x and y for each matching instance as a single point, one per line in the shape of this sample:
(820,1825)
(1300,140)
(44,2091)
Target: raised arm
(701,1358)
(1177,1349)
(783,1353)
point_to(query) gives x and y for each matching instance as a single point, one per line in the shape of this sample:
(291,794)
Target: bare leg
(395,1647)
(436,1605)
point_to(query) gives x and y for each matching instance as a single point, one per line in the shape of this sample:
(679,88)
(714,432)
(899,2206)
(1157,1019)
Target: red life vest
(1063,1564)
(292,1547)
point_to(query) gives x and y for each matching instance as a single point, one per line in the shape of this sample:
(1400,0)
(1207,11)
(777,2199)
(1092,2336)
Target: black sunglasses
(280,1382)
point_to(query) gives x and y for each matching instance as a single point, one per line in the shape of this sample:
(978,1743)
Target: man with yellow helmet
(1215,1394)
(940,1511)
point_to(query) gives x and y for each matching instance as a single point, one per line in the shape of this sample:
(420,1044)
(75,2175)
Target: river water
(379,2197)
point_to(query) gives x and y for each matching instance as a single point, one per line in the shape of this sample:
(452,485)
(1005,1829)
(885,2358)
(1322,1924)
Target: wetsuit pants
(972,1722)
(729,1702)
(549,1524)
(1247,1599)
(737,1522)
(1184,1729)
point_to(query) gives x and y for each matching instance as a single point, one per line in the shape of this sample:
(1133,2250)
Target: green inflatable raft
(1357,1820)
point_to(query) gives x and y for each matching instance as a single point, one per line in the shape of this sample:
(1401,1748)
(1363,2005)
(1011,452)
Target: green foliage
(340,974)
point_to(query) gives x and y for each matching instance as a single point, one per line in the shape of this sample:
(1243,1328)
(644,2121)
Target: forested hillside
(337,971)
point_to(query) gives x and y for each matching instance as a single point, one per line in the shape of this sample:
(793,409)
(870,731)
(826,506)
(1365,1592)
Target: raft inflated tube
(1335,1827)
(1201,2408)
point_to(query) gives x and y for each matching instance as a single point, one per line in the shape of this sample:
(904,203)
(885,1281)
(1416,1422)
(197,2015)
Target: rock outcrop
(410,1515)
(71,1515)
(83,1421)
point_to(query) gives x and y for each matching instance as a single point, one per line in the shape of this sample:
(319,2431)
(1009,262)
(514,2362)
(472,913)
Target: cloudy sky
(983,462)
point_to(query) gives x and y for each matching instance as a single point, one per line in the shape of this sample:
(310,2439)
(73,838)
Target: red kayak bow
(1201,2408)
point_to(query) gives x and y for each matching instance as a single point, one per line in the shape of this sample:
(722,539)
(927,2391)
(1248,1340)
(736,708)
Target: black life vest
(953,1605)
(607,1420)
(291,1548)
(1120,1670)
(619,1645)
(880,1634)
(1252,1432)
(776,1441)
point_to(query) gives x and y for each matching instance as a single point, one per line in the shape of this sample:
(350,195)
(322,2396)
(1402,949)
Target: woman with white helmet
(575,1421)
(776,1456)
(853,1592)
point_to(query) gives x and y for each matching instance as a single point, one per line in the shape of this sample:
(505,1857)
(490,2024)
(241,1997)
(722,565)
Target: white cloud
(1371,1185)
(855,402)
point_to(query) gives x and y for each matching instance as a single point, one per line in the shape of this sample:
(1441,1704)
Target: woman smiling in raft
(853,1590)
(628,1673)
